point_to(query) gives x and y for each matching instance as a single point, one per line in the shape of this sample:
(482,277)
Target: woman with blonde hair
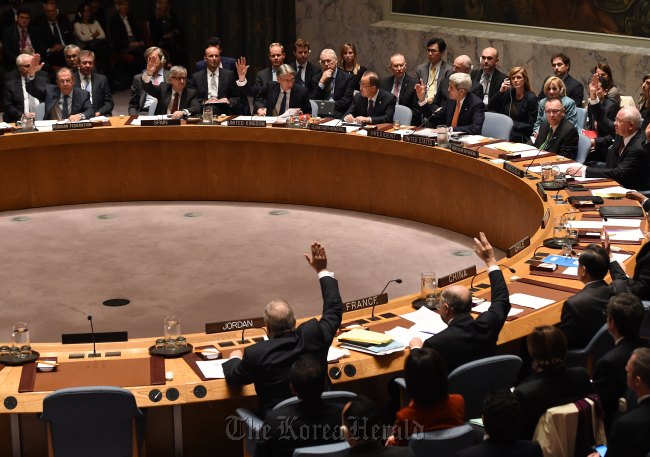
(554,88)
(350,65)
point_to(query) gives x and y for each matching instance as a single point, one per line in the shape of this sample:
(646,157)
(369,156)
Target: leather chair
(446,442)
(403,114)
(98,421)
(581,115)
(584,146)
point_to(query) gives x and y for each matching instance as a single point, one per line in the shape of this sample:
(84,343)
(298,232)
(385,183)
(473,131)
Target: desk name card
(518,247)
(541,191)
(464,151)
(327,128)
(513,169)
(421,140)
(459,275)
(72,126)
(159,122)
(384,135)
(547,216)
(238,324)
(246,123)
(367,302)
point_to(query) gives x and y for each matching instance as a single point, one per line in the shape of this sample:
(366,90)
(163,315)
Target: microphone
(572,175)
(92,332)
(372,316)
(242,340)
(512,270)
(531,162)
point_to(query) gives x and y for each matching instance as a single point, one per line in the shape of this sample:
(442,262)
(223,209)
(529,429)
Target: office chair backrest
(497,125)
(446,442)
(403,114)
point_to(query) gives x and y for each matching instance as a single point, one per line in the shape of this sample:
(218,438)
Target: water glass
(207,115)
(20,334)
(443,135)
(172,329)
(429,284)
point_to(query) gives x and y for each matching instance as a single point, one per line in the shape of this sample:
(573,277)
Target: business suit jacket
(523,121)
(639,283)
(583,314)
(470,119)
(50,95)
(262,78)
(102,99)
(488,448)
(574,90)
(631,169)
(495,82)
(442,96)
(384,108)
(343,91)
(601,117)
(422,73)
(11,44)
(229,63)
(48,39)
(610,377)
(407,96)
(138,95)
(311,70)
(467,339)
(118,34)
(188,99)
(227,88)
(548,389)
(564,140)
(13,97)
(268,98)
(267,364)
(629,436)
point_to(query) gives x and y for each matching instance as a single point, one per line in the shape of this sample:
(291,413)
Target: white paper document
(562,166)
(99,119)
(403,132)
(334,354)
(212,369)
(506,146)
(530,301)
(625,235)
(573,271)
(610,192)
(589,225)
(425,321)
(620,258)
(483,307)
(405,335)
(474,139)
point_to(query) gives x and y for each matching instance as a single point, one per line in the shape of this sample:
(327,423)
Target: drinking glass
(443,135)
(429,284)
(172,329)
(20,334)
(207,115)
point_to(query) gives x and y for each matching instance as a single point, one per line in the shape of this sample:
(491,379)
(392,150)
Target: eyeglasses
(432,50)
(487,58)
(553,111)
(180,78)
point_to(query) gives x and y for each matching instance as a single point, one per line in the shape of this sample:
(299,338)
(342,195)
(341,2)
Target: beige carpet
(225,262)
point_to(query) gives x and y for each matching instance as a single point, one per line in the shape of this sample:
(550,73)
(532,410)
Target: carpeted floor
(203,261)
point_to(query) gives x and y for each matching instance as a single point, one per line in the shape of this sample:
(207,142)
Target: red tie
(23,39)
(396,89)
(175,103)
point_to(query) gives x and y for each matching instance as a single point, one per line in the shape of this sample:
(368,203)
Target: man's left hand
(75,118)
(318,259)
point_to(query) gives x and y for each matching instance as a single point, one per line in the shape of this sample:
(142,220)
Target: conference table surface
(426,184)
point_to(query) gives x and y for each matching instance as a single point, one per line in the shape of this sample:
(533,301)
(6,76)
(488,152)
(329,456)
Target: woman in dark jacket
(516,100)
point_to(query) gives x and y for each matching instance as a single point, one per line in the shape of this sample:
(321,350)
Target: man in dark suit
(127,44)
(557,134)
(583,313)
(140,101)
(464,111)
(217,86)
(462,64)
(601,111)
(629,436)
(489,77)
(371,105)
(265,76)
(624,316)
(431,73)
(627,159)
(318,418)
(333,84)
(574,89)
(267,363)
(63,101)
(305,70)
(402,86)
(56,33)
(20,38)
(467,339)
(174,97)
(16,100)
(95,84)
(278,96)
(229,63)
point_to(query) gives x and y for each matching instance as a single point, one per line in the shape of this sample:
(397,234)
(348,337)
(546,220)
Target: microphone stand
(372,316)
(92,332)
(512,270)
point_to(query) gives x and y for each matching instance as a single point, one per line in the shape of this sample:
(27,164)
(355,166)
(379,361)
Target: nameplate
(464,151)
(73,126)
(327,128)
(385,135)
(513,169)
(98,337)
(541,191)
(246,123)
(518,247)
(468,272)
(157,122)
(547,216)
(367,302)
(239,324)
(418,139)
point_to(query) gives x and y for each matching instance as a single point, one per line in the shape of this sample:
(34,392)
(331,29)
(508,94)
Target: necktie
(213,85)
(65,112)
(175,103)
(548,139)
(433,84)
(299,76)
(485,82)
(371,107)
(283,104)
(23,39)
(87,84)
(454,120)
(396,88)
(621,147)
(57,34)
(155,79)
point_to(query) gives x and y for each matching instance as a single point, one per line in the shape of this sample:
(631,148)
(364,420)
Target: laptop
(325,107)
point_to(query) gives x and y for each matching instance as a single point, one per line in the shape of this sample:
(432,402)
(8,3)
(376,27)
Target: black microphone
(372,316)
(531,162)
(92,332)
(512,270)
(558,191)
(242,340)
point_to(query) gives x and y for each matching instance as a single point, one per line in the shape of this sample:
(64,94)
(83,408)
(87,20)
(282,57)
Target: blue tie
(65,113)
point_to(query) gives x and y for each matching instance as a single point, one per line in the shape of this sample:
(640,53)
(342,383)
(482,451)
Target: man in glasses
(278,96)
(557,134)
(431,73)
(174,97)
(332,84)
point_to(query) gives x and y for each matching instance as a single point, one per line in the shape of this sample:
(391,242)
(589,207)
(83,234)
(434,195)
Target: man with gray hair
(16,99)
(276,97)
(333,84)
(462,64)
(140,101)
(464,111)
(174,97)
(627,160)
(71,53)
(267,363)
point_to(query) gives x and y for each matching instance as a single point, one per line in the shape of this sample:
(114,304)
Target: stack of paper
(530,301)
(425,321)
(632,235)
(512,147)
(369,342)
(610,192)
(475,139)
(212,369)
(483,307)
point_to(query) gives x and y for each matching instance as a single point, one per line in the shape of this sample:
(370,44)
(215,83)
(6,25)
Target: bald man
(489,77)
(267,364)
(466,339)
(462,64)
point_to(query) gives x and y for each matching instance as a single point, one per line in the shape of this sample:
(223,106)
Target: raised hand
(484,250)
(242,68)
(318,259)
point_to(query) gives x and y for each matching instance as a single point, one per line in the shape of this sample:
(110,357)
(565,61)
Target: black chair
(601,343)
(98,421)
